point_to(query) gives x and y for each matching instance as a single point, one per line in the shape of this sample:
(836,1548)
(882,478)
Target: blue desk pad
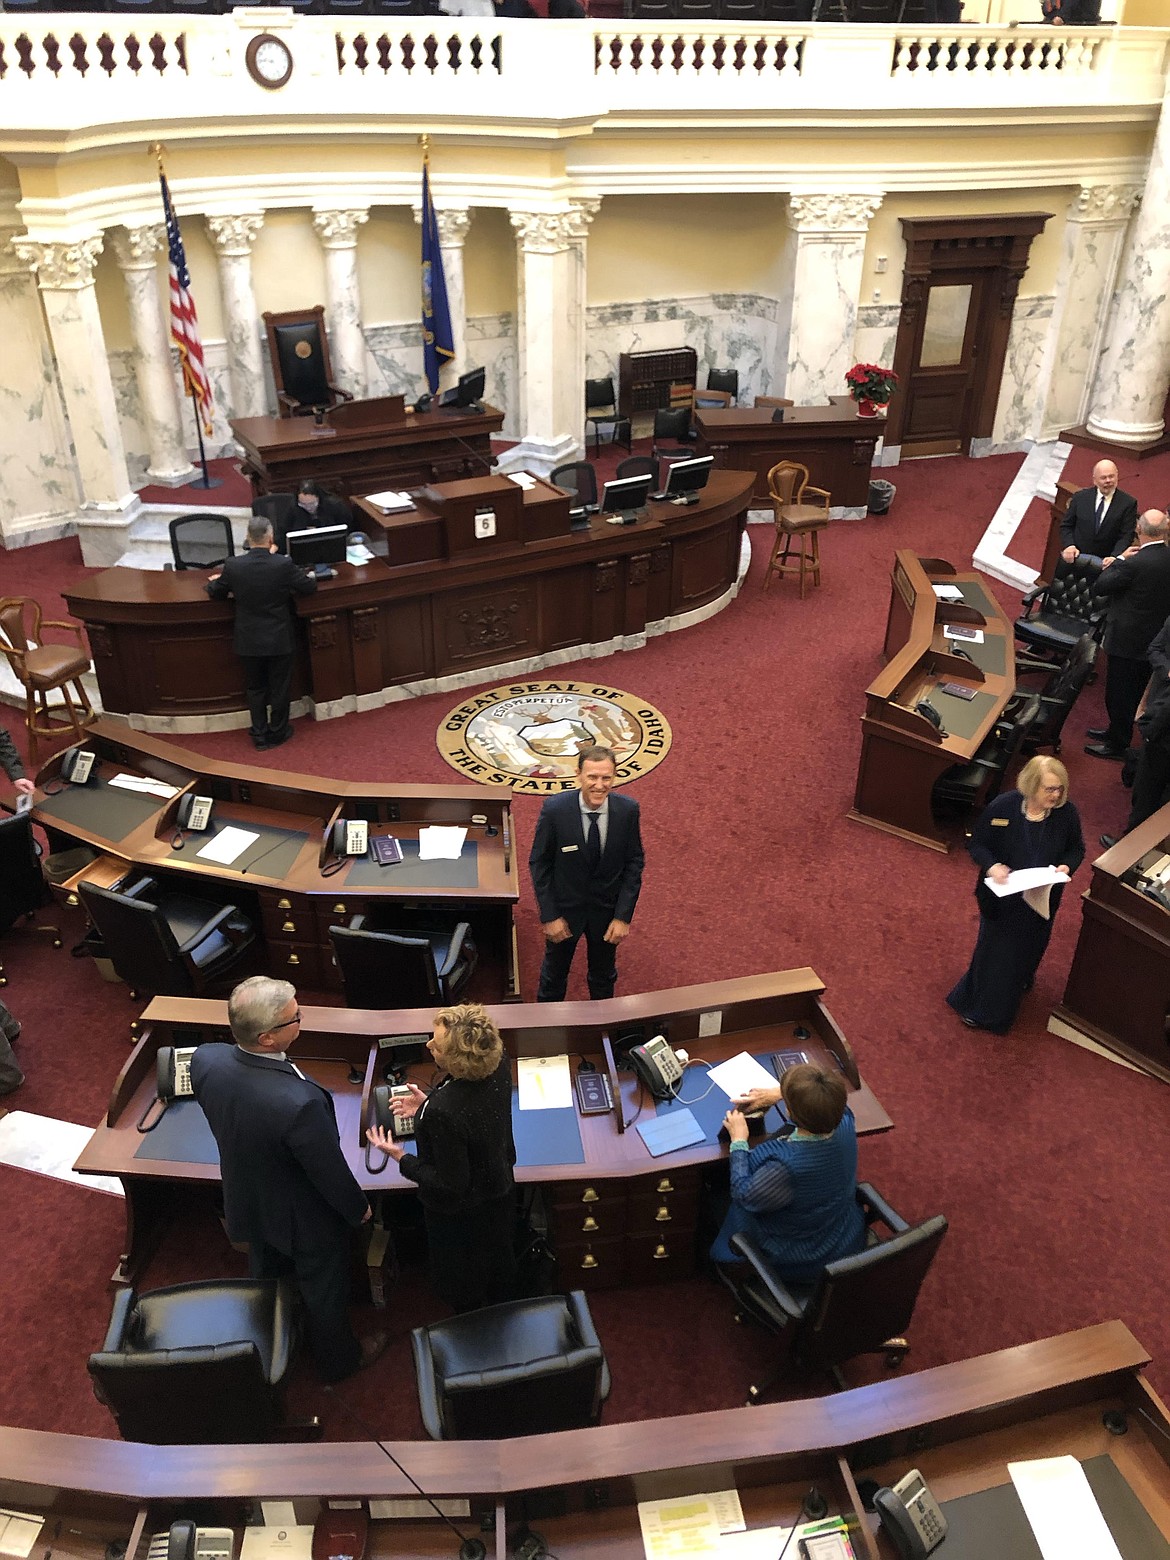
(105,809)
(710,1111)
(410,872)
(182,1136)
(272,855)
(546,1137)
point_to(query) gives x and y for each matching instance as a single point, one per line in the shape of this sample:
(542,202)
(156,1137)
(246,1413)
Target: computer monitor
(686,477)
(468,392)
(624,497)
(317,544)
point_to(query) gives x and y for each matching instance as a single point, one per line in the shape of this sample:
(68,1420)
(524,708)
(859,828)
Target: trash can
(62,864)
(92,947)
(881,496)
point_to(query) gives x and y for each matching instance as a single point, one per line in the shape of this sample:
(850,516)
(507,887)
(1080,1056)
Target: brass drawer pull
(284,904)
(663,1216)
(660,1252)
(664,1185)
(294,958)
(72,901)
(339,909)
(588,1260)
(589,1224)
(589,1195)
(289,926)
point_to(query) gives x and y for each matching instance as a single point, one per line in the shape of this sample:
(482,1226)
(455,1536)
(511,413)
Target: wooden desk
(162,648)
(902,753)
(960,1423)
(832,441)
(391,452)
(285,893)
(617,1215)
(1118,991)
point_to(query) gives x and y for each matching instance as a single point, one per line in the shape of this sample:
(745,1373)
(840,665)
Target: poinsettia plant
(871,382)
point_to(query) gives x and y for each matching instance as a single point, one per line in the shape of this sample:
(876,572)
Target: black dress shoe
(259,742)
(1097,732)
(1103,750)
(1108,841)
(278,738)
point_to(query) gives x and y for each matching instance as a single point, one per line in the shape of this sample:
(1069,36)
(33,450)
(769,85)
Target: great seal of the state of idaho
(528,734)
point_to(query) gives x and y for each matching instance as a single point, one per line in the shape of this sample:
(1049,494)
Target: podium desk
(834,443)
(616,1214)
(365,446)
(902,752)
(1118,989)
(278,882)
(959,1423)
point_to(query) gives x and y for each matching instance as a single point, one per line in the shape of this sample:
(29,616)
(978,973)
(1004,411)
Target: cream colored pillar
(337,231)
(826,249)
(233,237)
(64,273)
(135,250)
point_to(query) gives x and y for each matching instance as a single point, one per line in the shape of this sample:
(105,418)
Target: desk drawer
(287,918)
(299,962)
(653,1259)
(653,1211)
(581,1221)
(575,1195)
(593,1264)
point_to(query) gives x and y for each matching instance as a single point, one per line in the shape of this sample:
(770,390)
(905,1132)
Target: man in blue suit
(586,865)
(288,1192)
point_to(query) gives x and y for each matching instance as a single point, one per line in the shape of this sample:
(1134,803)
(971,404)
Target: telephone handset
(658,1067)
(185,1541)
(400,1128)
(195,813)
(79,766)
(910,1515)
(349,837)
(925,707)
(174,1072)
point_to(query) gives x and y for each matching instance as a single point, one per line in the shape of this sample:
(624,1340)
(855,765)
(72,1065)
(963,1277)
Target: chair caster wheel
(3,980)
(896,1350)
(57,942)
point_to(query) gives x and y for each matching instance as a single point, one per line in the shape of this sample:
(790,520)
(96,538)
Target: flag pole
(206,481)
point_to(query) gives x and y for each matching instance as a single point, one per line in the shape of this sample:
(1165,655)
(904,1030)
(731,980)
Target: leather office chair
(1057,614)
(1057,697)
(772,400)
(201,541)
(858,1305)
(44,667)
(276,508)
(672,433)
(638,466)
(705,399)
(401,969)
(523,1368)
(580,479)
(197,1363)
(601,412)
(23,889)
(727,379)
(166,943)
(796,520)
(965,787)
(299,350)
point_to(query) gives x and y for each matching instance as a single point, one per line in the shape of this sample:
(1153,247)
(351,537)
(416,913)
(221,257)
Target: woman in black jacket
(464,1159)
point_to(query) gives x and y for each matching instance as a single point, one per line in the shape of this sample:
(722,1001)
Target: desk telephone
(399,1127)
(656,1065)
(195,813)
(174,1072)
(79,766)
(910,1515)
(1154,880)
(350,837)
(185,1541)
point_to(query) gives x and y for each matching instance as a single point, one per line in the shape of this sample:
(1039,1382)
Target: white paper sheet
(145,785)
(1062,1509)
(440,842)
(674,1529)
(522,480)
(390,500)
(1027,877)
(227,845)
(947,592)
(741,1073)
(544,1082)
(758,1544)
(710,1023)
(277,1543)
(19,1531)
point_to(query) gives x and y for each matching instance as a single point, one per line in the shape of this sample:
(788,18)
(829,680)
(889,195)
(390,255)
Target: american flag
(184,322)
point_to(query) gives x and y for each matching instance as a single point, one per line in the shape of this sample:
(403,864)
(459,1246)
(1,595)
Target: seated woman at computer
(795,1195)
(317,507)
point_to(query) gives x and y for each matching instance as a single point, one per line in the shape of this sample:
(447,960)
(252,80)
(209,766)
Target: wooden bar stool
(796,520)
(44,668)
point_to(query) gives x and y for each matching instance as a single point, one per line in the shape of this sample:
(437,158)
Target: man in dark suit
(287,1189)
(1099,521)
(1138,587)
(262,582)
(586,865)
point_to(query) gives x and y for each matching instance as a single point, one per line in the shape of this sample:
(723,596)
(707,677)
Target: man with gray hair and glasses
(288,1191)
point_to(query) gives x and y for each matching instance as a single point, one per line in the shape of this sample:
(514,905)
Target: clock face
(268,60)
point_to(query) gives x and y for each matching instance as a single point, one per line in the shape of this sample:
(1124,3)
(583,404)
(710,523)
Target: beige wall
(670,246)
(489,263)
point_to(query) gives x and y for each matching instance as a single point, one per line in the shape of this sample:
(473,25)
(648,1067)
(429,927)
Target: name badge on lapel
(565,849)
(1000,823)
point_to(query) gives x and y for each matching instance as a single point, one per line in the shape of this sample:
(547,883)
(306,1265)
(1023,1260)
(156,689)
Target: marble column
(550,335)
(135,250)
(825,252)
(64,273)
(337,231)
(1129,389)
(233,237)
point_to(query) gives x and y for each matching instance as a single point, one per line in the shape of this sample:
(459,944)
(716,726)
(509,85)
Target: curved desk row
(388,629)
(961,1424)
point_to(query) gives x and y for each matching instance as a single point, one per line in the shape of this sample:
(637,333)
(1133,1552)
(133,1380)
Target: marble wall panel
(876,334)
(37,473)
(1018,413)
(394,361)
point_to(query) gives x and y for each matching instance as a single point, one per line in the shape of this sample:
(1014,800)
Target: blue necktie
(1100,511)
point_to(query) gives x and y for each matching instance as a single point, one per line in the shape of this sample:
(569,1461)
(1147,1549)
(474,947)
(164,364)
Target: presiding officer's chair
(22,885)
(299,351)
(44,667)
(522,1368)
(401,968)
(198,1363)
(201,541)
(858,1305)
(166,943)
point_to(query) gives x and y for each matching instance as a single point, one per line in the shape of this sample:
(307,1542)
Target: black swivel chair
(22,885)
(724,379)
(858,1305)
(580,479)
(601,412)
(964,787)
(165,943)
(1057,697)
(198,1363)
(400,968)
(1057,614)
(523,1368)
(200,541)
(672,434)
(638,466)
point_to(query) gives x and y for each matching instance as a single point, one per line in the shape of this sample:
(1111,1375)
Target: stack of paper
(440,842)
(390,503)
(145,785)
(544,1082)
(522,480)
(947,592)
(18,1533)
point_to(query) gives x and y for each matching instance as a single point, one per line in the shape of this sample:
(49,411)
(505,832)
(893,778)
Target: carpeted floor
(1049,1162)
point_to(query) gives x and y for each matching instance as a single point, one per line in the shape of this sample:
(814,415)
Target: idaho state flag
(438,343)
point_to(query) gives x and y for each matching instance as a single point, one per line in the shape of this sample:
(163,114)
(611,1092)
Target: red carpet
(1024,1142)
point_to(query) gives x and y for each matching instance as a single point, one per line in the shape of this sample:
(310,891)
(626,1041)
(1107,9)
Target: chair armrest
(876,1207)
(124,1303)
(745,1247)
(216,924)
(357,923)
(582,1319)
(70,628)
(1031,597)
(146,888)
(342,395)
(287,400)
(820,492)
(455,951)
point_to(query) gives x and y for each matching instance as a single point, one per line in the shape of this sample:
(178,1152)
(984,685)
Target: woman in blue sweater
(795,1195)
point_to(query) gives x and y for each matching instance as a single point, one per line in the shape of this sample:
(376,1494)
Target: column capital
(233,236)
(833,212)
(544,232)
(452,222)
(582,213)
(1104,202)
(337,229)
(135,247)
(60,267)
